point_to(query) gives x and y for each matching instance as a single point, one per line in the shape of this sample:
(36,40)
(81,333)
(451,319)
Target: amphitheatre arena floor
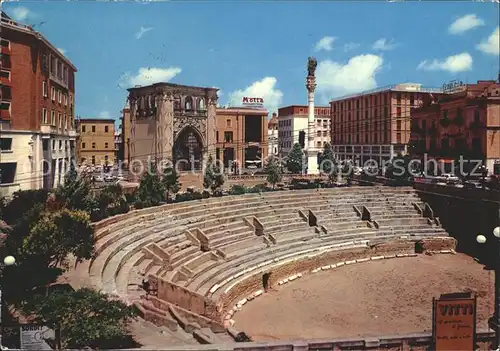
(387,297)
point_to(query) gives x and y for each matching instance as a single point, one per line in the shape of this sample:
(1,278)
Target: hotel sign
(252,102)
(454,322)
(453,87)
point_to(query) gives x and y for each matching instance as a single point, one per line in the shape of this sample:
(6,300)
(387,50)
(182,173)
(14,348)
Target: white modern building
(292,127)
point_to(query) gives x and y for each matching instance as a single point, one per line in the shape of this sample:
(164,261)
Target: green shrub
(237,189)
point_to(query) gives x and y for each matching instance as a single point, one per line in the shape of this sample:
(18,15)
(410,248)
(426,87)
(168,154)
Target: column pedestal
(312,161)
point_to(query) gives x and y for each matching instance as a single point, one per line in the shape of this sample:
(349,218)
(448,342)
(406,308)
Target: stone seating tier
(121,259)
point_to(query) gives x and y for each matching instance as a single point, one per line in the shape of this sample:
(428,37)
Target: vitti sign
(454,322)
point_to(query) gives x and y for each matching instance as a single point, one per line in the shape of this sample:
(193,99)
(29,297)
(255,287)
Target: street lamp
(481,239)
(7,261)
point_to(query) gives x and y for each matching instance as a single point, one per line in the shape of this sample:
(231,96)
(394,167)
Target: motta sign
(454,322)
(252,101)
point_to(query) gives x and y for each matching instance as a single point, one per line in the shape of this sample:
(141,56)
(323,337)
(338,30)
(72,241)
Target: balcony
(59,80)
(72,133)
(48,129)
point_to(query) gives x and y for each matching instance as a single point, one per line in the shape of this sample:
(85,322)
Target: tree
(150,191)
(328,163)
(170,181)
(22,201)
(295,159)
(273,171)
(82,318)
(56,235)
(75,192)
(398,169)
(109,202)
(213,178)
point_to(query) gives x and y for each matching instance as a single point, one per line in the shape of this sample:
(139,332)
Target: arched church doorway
(188,150)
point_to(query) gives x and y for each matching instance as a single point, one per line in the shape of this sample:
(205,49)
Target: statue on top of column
(311,66)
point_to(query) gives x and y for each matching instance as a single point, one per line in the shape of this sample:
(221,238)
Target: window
(8,171)
(398,138)
(65,99)
(398,111)
(5,74)
(53,93)
(65,121)
(105,145)
(106,129)
(45,63)
(412,100)
(476,116)
(93,129)
(228,137)
(59,117)
(5,43)
(5,144)
(6,62)
(93,145)
(93,160)
(83,145)
(53,144)
(60,144)
(398,124)
(44,116)
(398,98)
(445,114)
(6,92)
(59,96)
(83,129)
(228,123)
(217,136)
(5,106)
(44,89)
(52,118)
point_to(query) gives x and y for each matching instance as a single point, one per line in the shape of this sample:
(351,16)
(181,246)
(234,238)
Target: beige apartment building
(96,143)
(375,124)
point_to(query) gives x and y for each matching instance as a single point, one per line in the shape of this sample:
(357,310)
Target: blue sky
(261,48)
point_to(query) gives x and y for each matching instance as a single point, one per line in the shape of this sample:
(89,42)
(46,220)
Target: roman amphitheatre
(350,264)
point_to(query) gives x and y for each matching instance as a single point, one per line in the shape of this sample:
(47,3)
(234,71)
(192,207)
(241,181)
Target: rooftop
(170,85)
(95,120)
(7,22)
(402,87)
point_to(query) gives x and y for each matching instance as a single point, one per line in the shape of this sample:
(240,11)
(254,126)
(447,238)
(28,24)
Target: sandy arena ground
(387,297)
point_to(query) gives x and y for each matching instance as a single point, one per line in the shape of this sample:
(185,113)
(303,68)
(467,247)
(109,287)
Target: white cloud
(62,51)
(147,76)
(351,46)
(265,88)
(20,13)
(383,45)
(104,115)
(325,43)
(358,74)
(465,23)
(456,63)
(492,44)
(142,31)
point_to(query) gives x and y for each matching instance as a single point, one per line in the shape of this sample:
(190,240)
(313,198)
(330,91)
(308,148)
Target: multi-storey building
(241,136)
(375,124)
(465,123)
(96,142)
(292,127)
(272,135)
(37,131)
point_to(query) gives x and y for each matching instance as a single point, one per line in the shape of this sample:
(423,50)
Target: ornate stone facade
(170,122)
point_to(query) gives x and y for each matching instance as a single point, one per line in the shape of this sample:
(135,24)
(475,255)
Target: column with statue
(310,150)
